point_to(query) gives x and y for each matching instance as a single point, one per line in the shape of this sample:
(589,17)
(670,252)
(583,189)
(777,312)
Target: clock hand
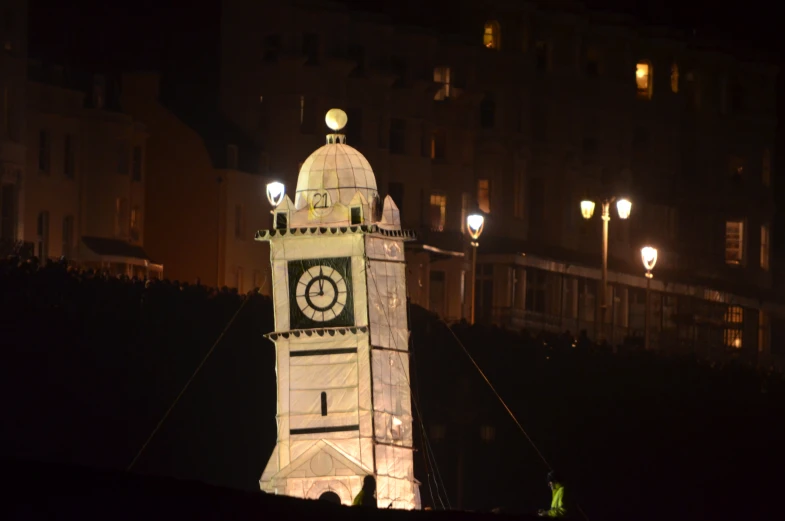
(321,282)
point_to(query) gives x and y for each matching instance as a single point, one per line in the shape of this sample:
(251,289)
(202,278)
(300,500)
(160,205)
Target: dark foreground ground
(45,491)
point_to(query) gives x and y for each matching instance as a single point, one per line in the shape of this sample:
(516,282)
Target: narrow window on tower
(324,404)
(357,215)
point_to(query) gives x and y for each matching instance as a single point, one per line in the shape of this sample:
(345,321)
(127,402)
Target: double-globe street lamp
(474,225)
(623,207)
(649,258)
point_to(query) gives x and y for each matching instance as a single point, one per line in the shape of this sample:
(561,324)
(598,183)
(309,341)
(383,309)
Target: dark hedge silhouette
(92,362)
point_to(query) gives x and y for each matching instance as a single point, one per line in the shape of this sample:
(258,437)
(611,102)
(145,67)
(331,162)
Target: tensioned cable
(498,396)
(188,383)
(504,404)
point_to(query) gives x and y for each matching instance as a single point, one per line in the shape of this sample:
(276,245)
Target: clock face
(320,293)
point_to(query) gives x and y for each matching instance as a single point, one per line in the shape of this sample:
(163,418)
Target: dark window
(357,54)
(541,50)
(68,235)
(311,48)
(438,140)
(640,137)
(69,163)
(136,167)
(122,158)
(589,146)
(395,191)
(324,404)
(399,68)
(272,46)
(281,221)
(44,151)
(382,134)
(737,97)
(354,128)
(536,203)
(592,68)
(357,217)
(397,136)
(488,111)
(7,211)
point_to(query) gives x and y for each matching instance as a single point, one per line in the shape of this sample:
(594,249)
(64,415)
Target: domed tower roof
(339,170)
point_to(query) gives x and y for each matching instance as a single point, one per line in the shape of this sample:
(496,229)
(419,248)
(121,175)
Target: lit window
(764,247)
(438,211)
(491,38)
(736,165)
(442,75)
(734,320)
(484,195)
(643,79)
(766,167)
(674,78)
(734,242)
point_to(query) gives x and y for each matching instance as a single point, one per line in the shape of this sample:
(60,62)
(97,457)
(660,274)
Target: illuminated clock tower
(341,334)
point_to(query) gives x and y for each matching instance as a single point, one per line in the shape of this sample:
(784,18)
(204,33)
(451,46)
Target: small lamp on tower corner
(624,207)
(475,223)
(649,258)
(275,193)
(587,209)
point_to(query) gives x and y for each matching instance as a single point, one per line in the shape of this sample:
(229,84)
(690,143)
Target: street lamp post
(623,207)
(275,193)
(649,258)
(474,224)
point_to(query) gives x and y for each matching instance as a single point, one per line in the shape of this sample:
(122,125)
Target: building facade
(204,202)
(13,154)
(73,178)
(82,195)
(522,116)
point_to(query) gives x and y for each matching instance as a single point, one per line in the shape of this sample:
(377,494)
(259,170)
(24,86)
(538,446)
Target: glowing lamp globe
(275,193)
(649,257)
(336,119)
(475,223)
(587,209)
(624,207)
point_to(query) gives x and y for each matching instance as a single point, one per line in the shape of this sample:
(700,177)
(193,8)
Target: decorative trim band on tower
(331,331)
(266,235)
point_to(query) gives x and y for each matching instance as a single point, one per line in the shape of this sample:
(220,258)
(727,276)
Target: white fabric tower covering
(341,339)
